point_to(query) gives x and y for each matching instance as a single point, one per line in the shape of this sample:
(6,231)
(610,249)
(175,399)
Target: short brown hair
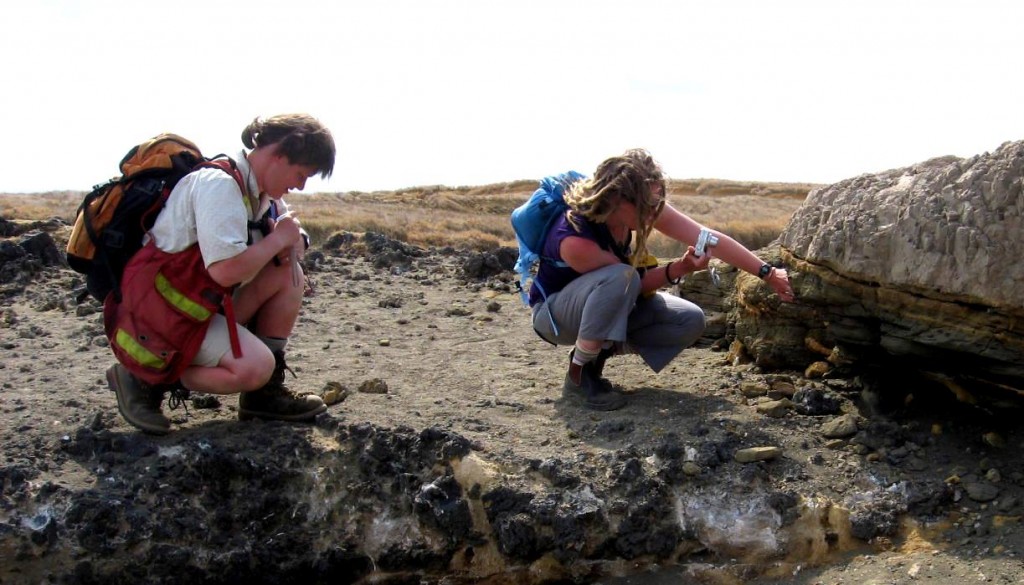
(300,137)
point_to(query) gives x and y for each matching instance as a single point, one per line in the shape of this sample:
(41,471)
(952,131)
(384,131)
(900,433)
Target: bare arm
(678,226)
(583,255)
(245,266)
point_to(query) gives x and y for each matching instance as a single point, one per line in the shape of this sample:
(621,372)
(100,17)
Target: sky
(457,93)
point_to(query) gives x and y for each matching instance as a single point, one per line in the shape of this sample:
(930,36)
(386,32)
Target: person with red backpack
(209,302)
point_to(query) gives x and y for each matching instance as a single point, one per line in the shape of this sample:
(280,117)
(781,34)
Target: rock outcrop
(919,266)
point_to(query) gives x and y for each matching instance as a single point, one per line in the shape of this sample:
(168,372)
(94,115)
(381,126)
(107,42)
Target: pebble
(817,370)
(754,454)
(775,408)
(753,389)
(374,386)
(840,427)
(980,491)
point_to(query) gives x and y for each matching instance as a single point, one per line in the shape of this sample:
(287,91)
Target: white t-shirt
(207,207)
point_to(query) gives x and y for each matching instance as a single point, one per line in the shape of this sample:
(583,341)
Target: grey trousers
(606,304)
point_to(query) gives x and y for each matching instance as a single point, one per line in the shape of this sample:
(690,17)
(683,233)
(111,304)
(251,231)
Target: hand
(286,229)
(692,263)
(778,279)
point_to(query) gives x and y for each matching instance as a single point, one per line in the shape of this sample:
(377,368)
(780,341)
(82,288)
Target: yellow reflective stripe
(179,300)
(133,348)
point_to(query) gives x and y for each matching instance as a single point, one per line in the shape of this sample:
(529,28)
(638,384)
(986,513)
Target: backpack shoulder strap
(229,166)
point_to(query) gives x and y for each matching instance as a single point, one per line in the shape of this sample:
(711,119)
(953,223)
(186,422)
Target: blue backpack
(533,220)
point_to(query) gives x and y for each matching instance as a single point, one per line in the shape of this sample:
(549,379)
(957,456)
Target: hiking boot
(597,393)
(275,401)
(596,368)
(138,402)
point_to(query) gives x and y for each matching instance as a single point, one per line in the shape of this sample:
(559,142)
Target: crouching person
(210,301)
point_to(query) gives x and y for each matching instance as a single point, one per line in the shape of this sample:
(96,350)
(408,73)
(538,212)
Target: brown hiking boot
(595,395)
(275,401)
(596,392)
(138,402)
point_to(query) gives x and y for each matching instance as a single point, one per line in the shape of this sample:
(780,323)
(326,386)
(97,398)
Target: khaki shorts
(216,343)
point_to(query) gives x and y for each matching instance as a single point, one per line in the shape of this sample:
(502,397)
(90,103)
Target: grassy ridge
(476,217)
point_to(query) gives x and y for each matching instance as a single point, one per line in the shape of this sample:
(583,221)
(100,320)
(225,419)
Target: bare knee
(255,372)
(285,278)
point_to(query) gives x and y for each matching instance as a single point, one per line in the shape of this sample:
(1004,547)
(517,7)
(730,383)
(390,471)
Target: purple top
(553,275)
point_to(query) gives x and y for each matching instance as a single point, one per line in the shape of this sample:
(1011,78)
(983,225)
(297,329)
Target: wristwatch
(765,270)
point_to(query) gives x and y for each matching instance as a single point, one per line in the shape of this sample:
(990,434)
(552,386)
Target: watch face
(765,269)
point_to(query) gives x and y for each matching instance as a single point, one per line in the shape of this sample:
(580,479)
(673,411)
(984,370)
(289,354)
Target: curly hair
(629,177)
(299,137)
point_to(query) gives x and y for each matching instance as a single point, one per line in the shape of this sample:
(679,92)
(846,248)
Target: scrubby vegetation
(477,217)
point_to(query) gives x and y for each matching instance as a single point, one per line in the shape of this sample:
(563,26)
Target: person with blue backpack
(595,288)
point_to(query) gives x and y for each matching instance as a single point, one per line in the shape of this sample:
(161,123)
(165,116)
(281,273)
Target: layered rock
(920,265)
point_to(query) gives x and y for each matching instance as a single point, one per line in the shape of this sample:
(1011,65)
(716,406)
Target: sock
(580,358)
(275,344)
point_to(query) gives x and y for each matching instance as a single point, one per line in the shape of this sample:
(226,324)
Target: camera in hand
(705,239)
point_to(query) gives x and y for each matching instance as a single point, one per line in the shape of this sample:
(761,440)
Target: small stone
(840,427)
(981,491)
(994,439)
(993,475)
(753,389)
(782,390)
(1007,504)
(817,370)
(333,393)
(775,408)
(384,342)
(206,401)
(690,468)
(374,386)
(754,454)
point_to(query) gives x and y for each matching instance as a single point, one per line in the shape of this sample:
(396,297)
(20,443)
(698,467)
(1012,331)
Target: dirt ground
(418,343)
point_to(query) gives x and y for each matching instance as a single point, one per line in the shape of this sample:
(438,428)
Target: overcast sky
(473,92)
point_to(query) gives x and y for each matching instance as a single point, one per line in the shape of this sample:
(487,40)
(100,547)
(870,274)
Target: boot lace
(276,384)
(178,396)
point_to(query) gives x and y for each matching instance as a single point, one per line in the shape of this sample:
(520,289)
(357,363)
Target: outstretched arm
(679,226)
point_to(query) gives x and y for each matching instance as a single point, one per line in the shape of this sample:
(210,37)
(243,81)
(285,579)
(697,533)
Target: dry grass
(478,217)
(37,206)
